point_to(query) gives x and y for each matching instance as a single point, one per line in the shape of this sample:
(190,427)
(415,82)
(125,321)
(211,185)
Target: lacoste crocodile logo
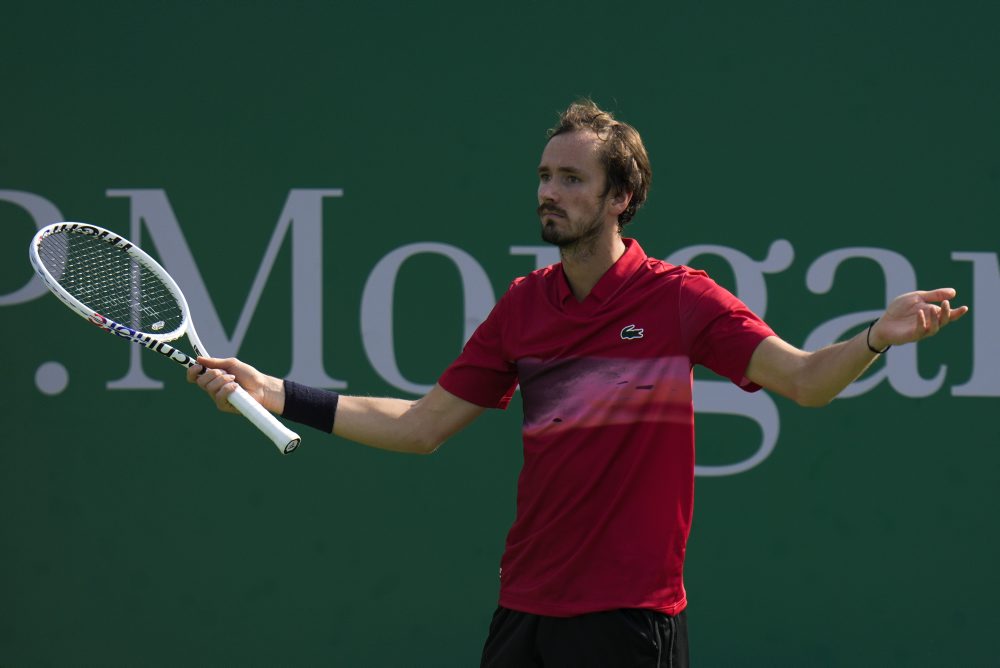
(630,332)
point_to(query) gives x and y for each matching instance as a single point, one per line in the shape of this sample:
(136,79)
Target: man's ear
(620,201)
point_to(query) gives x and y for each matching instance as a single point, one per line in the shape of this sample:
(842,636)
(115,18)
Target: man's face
(572,205)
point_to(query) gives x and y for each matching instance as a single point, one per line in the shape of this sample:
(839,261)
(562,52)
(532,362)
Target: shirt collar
(613,278)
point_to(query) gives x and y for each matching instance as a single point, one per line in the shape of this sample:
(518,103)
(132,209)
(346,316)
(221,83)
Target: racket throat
(142,339)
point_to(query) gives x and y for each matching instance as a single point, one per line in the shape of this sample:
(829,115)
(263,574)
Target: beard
(575,233)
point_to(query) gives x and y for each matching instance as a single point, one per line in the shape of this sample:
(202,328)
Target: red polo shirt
(605,497)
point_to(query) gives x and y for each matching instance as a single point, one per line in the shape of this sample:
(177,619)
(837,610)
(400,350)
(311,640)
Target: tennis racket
(118,287)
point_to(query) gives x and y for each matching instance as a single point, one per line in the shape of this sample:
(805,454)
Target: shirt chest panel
(638,324)
(624,364)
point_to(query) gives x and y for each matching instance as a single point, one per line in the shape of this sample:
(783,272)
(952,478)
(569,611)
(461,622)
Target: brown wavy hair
(626,163)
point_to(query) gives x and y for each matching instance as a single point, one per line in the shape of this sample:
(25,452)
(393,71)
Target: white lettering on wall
(377,306)
(302,217)
(751,286)
(985,314)
(900,364)
(42,212)
(544,255)
(722,397)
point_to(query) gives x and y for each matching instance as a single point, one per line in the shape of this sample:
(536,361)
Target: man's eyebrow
(565,170)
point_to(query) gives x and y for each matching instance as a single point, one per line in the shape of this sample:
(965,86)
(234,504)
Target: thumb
(937,295)
(215,362)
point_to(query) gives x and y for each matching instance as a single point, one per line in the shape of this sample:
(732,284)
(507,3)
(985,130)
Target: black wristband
(868,340)
(310,406)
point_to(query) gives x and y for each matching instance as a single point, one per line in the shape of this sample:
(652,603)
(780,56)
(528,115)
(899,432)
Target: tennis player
(602,345)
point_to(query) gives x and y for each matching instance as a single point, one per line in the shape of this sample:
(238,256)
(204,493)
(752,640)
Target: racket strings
(109,281)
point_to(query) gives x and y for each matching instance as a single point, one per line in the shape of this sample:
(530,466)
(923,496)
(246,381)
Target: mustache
(550,208)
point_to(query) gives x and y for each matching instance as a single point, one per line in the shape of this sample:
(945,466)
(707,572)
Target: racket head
(117,286)
(108,280)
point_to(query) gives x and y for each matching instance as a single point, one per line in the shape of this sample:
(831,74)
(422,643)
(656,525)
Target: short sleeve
(482,374)
(720,332)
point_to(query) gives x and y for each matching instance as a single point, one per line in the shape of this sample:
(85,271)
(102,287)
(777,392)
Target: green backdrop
(140,527)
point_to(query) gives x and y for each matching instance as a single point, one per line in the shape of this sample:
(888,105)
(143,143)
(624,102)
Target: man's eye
(572,179)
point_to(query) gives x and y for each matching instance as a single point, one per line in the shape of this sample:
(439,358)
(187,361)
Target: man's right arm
(419,426)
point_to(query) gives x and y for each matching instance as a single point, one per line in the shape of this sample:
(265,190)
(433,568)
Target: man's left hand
(914,316)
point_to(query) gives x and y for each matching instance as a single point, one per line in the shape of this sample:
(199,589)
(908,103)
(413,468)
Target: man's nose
(546,192)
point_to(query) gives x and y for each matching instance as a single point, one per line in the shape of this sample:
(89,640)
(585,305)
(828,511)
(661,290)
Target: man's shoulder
(538,279)
(662,270)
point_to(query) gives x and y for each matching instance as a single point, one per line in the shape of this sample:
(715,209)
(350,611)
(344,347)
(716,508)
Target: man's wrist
(875,343)
(274,395)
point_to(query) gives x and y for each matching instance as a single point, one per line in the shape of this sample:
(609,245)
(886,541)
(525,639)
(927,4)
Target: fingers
(219,385)
(931,318)
(918,315)
(205,363)
(924,323)
(213,375)
(958,313)
(218,363)
(944,313)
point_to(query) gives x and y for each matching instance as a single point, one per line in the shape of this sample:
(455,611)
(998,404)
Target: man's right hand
(220,377)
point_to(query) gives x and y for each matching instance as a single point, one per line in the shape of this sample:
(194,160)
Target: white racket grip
(284,438)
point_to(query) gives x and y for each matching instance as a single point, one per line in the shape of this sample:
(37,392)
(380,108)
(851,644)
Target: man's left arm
(815,378)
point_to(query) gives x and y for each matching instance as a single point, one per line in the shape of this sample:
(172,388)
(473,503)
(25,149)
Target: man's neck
(584,263)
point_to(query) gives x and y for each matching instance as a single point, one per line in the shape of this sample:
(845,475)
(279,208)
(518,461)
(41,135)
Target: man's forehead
(571,149)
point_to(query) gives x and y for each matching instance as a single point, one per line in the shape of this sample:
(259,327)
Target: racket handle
(284,438)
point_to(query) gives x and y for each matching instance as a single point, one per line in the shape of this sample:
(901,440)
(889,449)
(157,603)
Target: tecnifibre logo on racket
(145,340)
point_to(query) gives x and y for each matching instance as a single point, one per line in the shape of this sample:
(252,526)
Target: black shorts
(601,639)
